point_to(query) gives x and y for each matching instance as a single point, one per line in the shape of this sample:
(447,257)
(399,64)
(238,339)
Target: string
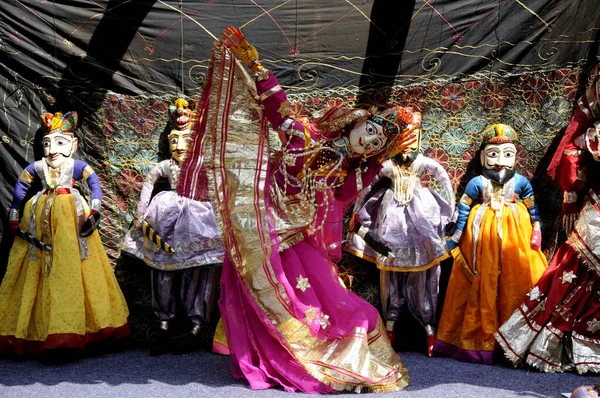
(181,46)
(55,46)
(457,37)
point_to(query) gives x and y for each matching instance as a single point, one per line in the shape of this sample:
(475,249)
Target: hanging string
(181,46)
(55,46)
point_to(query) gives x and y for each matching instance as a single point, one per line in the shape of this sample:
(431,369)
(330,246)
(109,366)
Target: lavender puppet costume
(189,251)
(409,221)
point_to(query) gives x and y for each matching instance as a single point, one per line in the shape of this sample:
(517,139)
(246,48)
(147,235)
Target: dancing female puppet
(178,238)
(59,290)
(409,221)
(289,320)
(496,252)
(557,328)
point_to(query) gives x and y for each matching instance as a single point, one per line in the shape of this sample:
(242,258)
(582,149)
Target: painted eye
(46,144)
(509,154)
(370,129)
(60,142)
(376,144)
(173,140)
(492,154)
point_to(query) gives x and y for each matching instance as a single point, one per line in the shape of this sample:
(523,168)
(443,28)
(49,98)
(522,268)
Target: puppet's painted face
(498,161)
(58,148)
(367,138)
(178,144)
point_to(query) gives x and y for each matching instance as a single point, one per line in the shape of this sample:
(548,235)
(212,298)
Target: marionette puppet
(400,227)
(496,250)
(178,238)
(289,321)
(557,328)
(59,291)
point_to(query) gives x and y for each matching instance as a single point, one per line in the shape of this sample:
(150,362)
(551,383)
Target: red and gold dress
(557,328)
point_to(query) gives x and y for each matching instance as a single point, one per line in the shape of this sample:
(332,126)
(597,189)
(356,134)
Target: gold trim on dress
(360,255)
(413,269)
(269,92)
(287,242)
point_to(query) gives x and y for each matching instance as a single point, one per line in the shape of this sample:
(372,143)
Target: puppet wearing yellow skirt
(59,290)
(496,252)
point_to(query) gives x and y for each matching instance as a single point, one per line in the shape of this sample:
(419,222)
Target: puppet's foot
(162,344)
(391,336)
(190,342)
(430,339)
(391,333)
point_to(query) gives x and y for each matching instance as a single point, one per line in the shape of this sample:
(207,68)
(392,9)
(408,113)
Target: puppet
(405,223)
(289,321)
(557,328)
(178,238)
(496,250)
(59,290)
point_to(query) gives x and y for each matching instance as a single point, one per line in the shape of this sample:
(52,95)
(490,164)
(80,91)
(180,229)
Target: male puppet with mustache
(496,250)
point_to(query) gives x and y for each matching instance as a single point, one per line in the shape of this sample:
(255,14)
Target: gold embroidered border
(269,92)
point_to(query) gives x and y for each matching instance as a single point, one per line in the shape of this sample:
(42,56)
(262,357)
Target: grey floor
(133,373)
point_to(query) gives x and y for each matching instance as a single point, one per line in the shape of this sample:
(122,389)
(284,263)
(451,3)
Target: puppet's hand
(536,239)
(451,244)
(13,221)
(354,223)
(90,225)
(137,220)
(377,246)
(12,226)
(454,239)
(246,52)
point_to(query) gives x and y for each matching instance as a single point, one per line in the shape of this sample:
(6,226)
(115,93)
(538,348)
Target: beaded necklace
(403,192)
(321,171)
(47,177)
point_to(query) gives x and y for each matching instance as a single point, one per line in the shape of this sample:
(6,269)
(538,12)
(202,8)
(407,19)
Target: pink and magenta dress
(288,318)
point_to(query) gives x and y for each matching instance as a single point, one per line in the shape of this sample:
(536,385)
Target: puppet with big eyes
(400,226)
(178,238)
(59,290)
(496,250)
(289,320)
